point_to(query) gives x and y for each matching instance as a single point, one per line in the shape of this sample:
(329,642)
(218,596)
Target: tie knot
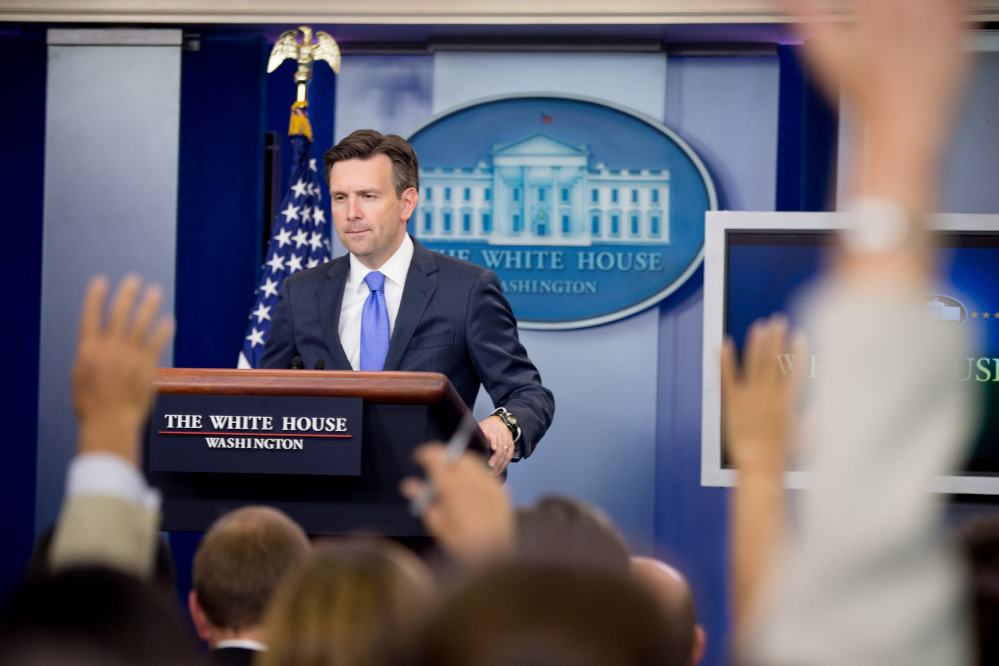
(375,280)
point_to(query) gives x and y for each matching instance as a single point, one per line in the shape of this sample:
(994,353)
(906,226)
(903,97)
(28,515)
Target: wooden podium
(400,410)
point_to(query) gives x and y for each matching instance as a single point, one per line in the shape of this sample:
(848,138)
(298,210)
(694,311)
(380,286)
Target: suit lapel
(421,283)
(330,298)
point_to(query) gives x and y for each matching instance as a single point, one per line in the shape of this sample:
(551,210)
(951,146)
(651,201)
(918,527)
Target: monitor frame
(718,225)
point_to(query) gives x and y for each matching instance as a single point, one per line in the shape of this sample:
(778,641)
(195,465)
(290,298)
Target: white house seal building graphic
(587,212)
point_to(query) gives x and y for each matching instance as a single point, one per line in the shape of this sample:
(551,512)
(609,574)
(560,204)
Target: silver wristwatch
(510,421)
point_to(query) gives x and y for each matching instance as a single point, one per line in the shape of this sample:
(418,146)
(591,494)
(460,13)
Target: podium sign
(253,434)
(219,440)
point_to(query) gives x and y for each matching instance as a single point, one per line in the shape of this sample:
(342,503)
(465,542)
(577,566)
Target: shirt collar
(395,269)
(245,643)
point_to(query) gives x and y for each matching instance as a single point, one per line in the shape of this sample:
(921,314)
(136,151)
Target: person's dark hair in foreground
(564,530)
(980,542)
(532,613)
(92,615)
(365,144)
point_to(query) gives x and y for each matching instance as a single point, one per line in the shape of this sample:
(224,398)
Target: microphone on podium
(296,363)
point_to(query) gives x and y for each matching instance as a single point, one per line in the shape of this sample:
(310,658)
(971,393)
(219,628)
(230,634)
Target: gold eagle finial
(305,53)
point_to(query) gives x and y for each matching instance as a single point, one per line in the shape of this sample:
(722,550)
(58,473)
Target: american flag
(301,240)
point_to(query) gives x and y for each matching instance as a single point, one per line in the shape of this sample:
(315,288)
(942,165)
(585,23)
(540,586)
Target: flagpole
(299,239)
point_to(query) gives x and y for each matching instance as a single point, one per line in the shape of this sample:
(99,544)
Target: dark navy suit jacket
(453,319)
(231,656)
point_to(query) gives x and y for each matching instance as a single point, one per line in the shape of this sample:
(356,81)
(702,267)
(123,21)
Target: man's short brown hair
(561,529)
(365,144)
(240,561)
(561,615)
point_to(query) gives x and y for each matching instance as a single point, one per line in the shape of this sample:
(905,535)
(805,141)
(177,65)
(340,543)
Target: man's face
(369,217)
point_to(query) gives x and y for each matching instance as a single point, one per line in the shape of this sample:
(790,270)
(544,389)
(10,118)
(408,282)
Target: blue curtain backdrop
(22,135)
(220,192)
(806,140)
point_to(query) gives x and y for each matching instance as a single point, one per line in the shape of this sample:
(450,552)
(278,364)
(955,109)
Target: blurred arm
(110,516)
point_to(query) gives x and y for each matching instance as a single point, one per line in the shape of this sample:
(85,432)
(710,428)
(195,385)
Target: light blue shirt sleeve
(109,475)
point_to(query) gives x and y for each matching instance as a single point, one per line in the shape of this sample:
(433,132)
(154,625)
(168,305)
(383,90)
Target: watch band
(877,225)
(509,420)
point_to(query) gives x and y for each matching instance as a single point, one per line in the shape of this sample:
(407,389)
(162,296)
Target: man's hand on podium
(500,441)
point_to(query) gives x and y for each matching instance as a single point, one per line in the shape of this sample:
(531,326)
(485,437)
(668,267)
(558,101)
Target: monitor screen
(759,263)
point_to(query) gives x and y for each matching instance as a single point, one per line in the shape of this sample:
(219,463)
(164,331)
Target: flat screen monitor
(756,264)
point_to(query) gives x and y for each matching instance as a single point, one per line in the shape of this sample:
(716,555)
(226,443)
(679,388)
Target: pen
(452,452)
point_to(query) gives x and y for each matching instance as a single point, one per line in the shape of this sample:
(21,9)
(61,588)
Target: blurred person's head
(569,531)
(523,612)
(980,542)
(672,591)
(237,567)
(92,615)
(352,602)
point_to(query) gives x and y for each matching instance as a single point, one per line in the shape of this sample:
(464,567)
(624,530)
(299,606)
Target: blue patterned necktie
(374,324)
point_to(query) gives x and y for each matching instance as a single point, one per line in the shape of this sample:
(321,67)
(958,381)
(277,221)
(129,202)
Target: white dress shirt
(245,643)
(356,291)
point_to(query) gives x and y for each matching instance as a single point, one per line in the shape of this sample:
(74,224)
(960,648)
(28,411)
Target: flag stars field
(269,287)
(256,338)
(299,241)
(262,312)
(290,213)
(283,237)
(276,263)
(301,238)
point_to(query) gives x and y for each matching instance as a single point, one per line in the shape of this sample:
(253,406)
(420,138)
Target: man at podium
(392,304)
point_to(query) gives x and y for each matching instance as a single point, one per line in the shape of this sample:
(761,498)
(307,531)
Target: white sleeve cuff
(108,474)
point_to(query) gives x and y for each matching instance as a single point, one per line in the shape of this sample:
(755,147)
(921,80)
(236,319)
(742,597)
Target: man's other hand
(500,441)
